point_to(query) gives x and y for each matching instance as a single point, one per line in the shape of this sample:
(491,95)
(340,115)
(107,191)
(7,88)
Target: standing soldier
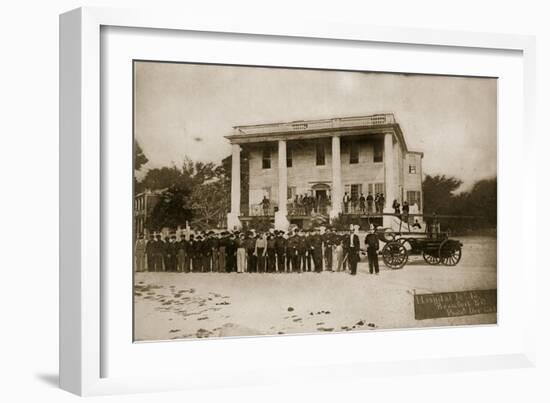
(373,245)
(150,252)
(222,242)
(181,254)
(214,248)
(292,253)
(158,254)
(231,252)
(170,253)
(250,246)
(140,254)
(280,250)
(316,244)
(191,251)
(260,252)
(206,253)
(197,258)
(270,264)
(301,251)
(353,246)
(328,242)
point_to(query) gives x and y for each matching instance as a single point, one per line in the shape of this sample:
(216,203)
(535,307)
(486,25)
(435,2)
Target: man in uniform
(139,253)
(150,252)
(371,240)
(231,254)
(280,250)
(222,254)
(353,246)
(301,251)
(181,248)
(190,254)
(316,251)
(197,258)
(170,253)
(292,253)
(158,254)
(207,252)
(328,242)
(214,250)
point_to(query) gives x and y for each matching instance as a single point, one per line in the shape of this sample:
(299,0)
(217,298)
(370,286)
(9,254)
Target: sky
(186,109)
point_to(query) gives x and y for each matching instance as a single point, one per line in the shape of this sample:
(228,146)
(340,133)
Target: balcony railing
(312,125)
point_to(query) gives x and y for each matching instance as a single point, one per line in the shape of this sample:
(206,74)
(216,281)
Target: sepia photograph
(278,201)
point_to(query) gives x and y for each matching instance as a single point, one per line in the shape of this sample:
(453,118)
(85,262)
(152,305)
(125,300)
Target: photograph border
(81,171)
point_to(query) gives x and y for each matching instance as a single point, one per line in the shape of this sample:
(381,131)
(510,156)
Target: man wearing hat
(329,243)
(292,253)
(222,252)
(373,244)
(316,250)
(301,251)
(140,254)
(170,250)
(214,243)
(353,246)
(150,252)
(250,245)
(280,250)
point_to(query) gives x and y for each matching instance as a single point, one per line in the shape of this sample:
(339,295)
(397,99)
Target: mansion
(333,162)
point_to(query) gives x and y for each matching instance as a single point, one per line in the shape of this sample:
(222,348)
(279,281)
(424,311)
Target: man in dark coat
(353,246)
(373,244)
(191,253)
(280,250)
(250,247)
(316,250)
(150,253)
(231,254)
(292,253)
(170,253)
(370,201)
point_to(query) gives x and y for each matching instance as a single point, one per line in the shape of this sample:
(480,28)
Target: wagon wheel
(450,253)
(430,259)
(394,255)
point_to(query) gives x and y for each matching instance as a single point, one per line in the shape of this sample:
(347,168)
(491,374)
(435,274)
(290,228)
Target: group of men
(365,205)
(250,252)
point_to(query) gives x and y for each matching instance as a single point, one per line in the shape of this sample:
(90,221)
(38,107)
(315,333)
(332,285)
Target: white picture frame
(83,173)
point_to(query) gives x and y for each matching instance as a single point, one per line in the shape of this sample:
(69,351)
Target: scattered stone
(280,332)
(297,320)
(325,329)
(174,330)
(290,309)
(371,325)
(360,323)
(203,318)
(320,323)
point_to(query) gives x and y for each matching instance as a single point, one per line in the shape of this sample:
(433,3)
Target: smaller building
(144,203)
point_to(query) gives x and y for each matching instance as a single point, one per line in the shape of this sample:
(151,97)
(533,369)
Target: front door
(321,194)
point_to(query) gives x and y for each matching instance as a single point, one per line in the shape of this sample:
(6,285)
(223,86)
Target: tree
(172,209)
(438,193)
(139,157)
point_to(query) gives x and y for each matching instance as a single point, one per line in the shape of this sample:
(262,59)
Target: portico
(324,160)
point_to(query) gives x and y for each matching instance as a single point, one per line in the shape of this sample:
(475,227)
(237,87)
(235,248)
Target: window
(266,191)
(379,188)
(412,169)
(353,153)
(413,196)
(266,158)
(378,152)
(320,154)
(289,157)
(356,190)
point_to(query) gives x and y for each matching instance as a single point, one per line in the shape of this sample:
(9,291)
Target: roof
(322,128)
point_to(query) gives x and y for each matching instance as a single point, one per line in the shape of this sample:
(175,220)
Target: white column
(389,175)
(281,221)
(336,194)
(233,220)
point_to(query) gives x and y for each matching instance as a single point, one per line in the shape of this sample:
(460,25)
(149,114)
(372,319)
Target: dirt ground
(197,305)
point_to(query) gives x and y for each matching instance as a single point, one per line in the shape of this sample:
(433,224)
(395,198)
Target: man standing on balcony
(362,204)
(346,199)
(265,205)
(369,203)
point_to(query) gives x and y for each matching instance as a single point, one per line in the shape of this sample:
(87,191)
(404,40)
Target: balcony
(316,125)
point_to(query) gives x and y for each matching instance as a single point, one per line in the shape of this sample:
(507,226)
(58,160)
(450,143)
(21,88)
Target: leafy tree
(139,157)
(438,193)
(172,209)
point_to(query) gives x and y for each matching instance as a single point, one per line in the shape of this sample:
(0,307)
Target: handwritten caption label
(459,303)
